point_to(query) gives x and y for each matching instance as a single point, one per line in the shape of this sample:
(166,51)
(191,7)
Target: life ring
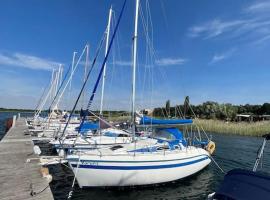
(211,146)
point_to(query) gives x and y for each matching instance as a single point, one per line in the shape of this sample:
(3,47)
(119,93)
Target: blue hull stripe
(114,161)
(139,167)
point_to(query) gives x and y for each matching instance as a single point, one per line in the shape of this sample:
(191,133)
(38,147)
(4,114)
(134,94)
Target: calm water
(6,115)
(231,152)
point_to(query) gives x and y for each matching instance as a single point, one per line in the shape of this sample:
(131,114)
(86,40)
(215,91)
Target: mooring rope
(211,157)
(32,193)
(75,175)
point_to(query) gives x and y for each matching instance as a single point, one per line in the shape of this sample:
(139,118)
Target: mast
(85,72)
(58,76)
(52,79)
(106,50)
(57,100)
(70,84)
(134,67)
(61,75)
(72,66)
(57,79)
(45,99)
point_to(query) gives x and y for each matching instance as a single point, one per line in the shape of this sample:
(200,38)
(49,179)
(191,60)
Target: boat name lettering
(89,163)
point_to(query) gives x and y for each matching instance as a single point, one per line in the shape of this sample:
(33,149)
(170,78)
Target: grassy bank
(222,127)
(237,128)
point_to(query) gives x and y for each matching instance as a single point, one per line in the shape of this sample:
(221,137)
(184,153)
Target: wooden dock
(20,172)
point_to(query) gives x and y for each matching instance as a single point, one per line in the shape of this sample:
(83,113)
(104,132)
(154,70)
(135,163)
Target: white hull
(141,169)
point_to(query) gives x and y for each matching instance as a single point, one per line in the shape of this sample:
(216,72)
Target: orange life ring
(211,146)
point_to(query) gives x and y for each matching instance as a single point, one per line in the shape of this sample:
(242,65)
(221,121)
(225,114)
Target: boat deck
(19,178)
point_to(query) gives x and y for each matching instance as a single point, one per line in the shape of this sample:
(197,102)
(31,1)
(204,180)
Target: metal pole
(70,84)
(57,79)
(72,66)
(52,81)
(259,156)
(106,50)
(69,80)
(85,72)
(134,67)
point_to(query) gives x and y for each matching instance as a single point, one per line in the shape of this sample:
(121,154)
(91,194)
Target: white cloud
(160,62)
(27,61)
(215,28)
(260,6)
(261,40)
(221,56)
(251,24)
(123,63)
(170,61)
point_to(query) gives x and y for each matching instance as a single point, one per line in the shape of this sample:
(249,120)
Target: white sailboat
(108,136)
(163,157)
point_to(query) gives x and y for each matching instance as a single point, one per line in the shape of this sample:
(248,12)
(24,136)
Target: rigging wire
(84,84)
(105,59)
(42,95)
(96,85)
(59,88)
(149,42)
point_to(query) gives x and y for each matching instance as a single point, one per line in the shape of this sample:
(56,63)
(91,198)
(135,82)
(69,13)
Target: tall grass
(237,128)
(218,126)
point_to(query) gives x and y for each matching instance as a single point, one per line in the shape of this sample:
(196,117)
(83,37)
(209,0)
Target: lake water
(231,152)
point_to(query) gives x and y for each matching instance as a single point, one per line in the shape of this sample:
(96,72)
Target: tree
(186,106)
(168,107)
(265,109)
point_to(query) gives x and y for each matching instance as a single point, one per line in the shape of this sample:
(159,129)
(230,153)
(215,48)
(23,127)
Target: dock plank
(17,176)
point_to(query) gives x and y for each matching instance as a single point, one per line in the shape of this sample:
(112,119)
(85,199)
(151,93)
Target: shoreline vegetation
(211,116)
(15,110)
(256,129)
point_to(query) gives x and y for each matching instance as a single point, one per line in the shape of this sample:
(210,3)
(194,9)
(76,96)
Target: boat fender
(37,150)
(45,174)
(211,146)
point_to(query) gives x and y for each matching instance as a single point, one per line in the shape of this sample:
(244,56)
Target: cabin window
(160,148)
(116,147)
(163,134)
(122,135)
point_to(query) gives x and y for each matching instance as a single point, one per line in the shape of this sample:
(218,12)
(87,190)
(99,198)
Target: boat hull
(136,170)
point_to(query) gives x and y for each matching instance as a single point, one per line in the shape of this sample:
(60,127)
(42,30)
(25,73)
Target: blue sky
(209,50)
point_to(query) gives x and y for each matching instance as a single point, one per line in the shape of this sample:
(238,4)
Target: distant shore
(209,125)
(15,110)
(234,128)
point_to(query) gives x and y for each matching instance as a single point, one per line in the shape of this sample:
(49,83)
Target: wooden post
(19,115)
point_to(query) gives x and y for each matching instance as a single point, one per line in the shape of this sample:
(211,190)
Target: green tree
(168,107)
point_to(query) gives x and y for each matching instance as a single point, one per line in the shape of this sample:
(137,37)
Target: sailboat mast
(52,80)
(72,66)
(85,72)
(134,66)
(70,84)
(57,79)
(106,50)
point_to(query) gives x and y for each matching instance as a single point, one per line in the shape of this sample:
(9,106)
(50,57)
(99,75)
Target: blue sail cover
(149,120)
(87,126)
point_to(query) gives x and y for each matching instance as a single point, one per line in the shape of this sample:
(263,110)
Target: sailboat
(164,156)
(103,136)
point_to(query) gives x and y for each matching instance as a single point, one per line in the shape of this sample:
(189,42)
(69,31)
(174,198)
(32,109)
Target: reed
(119,118)
(237,128)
